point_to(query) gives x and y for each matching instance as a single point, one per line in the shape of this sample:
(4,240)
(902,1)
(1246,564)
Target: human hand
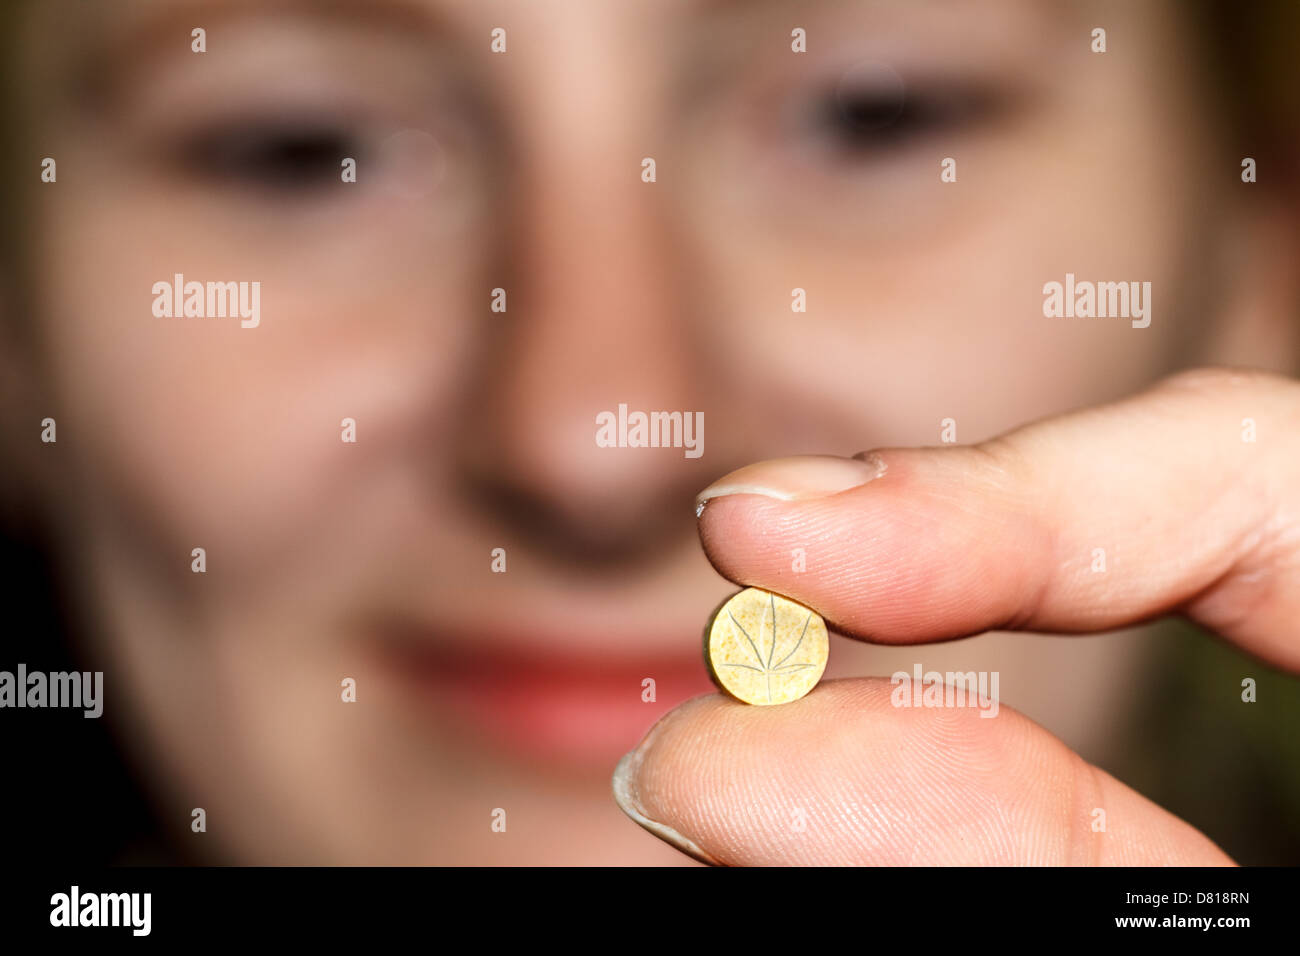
(1193,489)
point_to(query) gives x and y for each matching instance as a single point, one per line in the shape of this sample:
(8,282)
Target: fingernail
(796,478)
(628,799)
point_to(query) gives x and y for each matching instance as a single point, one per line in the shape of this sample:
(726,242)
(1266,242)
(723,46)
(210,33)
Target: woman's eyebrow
(116,42)
(150,17)
(741,6)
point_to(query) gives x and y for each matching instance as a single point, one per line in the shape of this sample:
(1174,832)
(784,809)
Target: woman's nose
(596,318)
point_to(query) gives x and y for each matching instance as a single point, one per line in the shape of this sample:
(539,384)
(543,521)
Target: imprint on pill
(762,648)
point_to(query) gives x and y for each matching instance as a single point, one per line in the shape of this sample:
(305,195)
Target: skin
(974,791)
(475,427)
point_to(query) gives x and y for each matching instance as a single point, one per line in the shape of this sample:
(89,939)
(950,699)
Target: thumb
(845,777)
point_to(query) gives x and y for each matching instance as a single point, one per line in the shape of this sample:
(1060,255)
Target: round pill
(762,648)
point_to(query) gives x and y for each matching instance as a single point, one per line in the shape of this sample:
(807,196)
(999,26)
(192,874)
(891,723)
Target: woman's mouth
(554,705)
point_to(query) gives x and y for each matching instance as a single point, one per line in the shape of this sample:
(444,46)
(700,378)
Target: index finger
(1082,523)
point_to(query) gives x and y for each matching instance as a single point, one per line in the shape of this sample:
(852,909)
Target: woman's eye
(866,122)
(284,158)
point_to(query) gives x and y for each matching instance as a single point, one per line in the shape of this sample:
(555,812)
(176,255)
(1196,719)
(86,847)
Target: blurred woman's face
(516,688)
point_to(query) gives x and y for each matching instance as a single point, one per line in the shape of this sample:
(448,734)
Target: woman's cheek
(236,433)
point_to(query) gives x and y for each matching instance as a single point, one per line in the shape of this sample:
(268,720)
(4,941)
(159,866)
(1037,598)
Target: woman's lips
(551,705)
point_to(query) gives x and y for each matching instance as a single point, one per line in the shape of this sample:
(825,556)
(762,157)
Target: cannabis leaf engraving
(766,667)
